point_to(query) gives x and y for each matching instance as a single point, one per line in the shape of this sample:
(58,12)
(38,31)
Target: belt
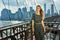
(38,23)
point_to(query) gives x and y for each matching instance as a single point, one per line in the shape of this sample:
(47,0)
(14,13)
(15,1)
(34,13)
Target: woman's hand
(32,26)
(43,26)
(44,30)
(32,30)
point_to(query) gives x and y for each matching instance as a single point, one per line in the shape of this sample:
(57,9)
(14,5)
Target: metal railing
(53,29)
(16,32)
(22,31)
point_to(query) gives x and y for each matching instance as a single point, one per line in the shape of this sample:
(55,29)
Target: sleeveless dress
(38,28)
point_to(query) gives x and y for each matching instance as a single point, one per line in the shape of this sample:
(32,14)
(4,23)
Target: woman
(38,23)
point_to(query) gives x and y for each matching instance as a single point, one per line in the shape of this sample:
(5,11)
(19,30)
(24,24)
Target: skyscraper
(5,14)
(59,12)
(45,9)
(20,15)
(52,9)
(48,12)
(31,11)
(24,13)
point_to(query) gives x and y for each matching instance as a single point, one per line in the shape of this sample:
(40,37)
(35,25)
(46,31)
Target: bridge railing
(16,32)
(53,30)
(22,31)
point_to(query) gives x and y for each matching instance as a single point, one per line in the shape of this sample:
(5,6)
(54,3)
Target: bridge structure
(22,31)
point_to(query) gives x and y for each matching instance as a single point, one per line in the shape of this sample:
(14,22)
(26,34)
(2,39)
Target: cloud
(22,3)
(10,2)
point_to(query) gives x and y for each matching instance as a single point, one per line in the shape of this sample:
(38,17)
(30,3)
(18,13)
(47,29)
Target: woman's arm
(43,22)
(32,25)
(42,19)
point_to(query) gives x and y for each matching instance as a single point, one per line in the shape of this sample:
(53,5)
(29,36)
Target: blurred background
(23,9)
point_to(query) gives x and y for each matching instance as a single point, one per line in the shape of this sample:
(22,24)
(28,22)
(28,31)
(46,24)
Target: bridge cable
(9,9)
(55,6)
(3,3)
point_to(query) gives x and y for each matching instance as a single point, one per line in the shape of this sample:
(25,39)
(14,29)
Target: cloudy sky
(13,5)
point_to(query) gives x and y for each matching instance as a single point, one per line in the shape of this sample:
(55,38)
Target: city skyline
(14,7)
(23,14)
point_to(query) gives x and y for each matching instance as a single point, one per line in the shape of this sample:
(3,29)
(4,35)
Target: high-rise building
(31,11)
(56,13)
(24,13)
(20,15)
(59,12)
(5,14)
(48,12)
(52,9)
(45,9)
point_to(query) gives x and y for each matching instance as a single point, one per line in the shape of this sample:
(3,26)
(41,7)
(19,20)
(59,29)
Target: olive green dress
(38,29)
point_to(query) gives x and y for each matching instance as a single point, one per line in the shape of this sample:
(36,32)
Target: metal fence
(16,32)
(53,31)
(24,32)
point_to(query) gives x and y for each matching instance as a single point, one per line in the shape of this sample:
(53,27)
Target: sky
(13,5)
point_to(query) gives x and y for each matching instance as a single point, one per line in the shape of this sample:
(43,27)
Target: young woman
(38,23)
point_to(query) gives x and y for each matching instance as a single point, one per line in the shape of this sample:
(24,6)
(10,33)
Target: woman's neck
(38,13)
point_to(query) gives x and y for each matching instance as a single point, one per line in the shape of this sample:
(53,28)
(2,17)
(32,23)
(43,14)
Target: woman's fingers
(33,30)
(44,30)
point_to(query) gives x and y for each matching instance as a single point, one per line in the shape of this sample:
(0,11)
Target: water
(7,23)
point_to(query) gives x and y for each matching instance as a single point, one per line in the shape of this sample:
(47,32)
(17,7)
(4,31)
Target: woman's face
(38,8)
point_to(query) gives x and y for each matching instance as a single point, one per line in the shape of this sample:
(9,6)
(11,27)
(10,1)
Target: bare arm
(32,25)
(42,19)
(43,22)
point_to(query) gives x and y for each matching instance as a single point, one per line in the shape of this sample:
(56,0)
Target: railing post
(0,35)
(59,34)
(31,34)
(13,37)
(6,34)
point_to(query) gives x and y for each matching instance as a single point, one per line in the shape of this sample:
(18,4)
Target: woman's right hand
(32,26)
(32,30)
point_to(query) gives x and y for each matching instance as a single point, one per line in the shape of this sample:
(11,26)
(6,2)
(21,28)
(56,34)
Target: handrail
(52,22)
(20,29)
(15,30)
(9,26)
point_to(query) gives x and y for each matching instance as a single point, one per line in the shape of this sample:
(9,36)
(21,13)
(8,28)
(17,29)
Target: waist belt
(38,23)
